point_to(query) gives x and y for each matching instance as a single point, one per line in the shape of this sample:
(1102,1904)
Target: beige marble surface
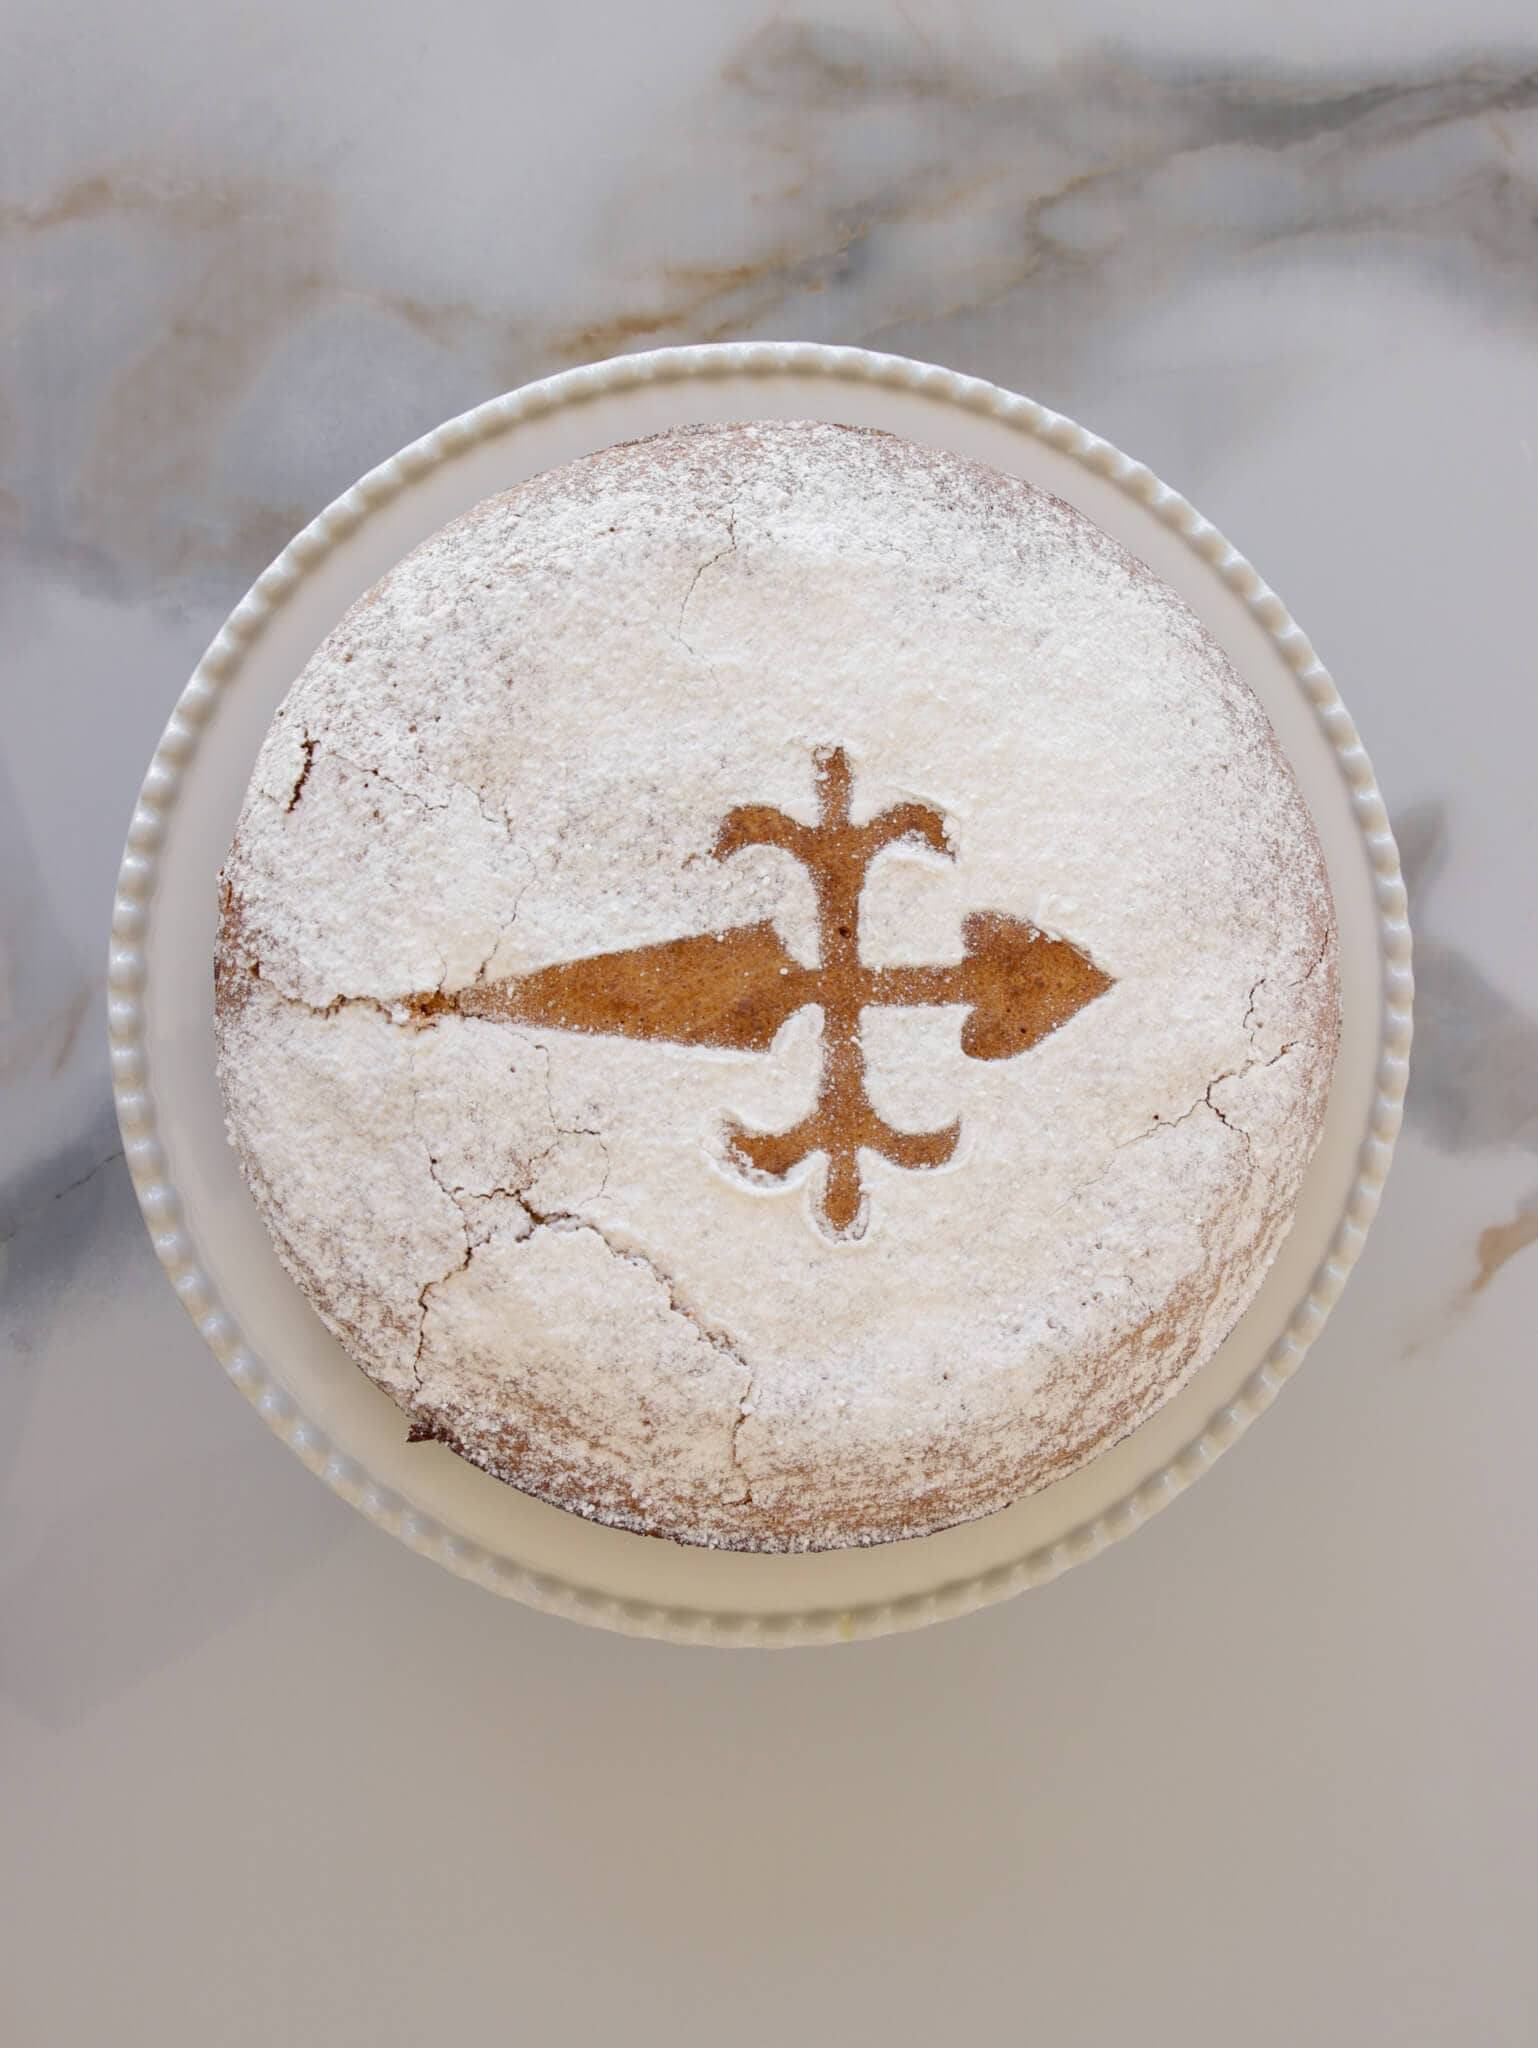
(1264,1773)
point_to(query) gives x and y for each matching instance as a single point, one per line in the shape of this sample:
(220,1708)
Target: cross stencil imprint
(735,989)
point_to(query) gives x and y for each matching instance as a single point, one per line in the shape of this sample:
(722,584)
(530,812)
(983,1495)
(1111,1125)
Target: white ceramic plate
(215,1247)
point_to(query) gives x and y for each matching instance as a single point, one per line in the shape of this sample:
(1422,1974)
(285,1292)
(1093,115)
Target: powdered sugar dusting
(518,749)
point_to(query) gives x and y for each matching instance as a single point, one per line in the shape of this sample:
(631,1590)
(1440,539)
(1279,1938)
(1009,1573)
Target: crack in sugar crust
(517,750)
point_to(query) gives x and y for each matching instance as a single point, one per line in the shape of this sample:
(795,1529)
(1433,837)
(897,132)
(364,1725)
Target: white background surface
(1263,1773)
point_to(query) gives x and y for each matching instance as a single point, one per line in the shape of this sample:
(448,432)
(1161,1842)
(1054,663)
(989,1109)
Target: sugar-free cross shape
(735,989)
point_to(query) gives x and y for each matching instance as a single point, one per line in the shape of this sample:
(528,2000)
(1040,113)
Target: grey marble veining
(1293,264)
(876,193)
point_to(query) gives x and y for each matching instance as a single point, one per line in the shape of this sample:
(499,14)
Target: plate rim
(129,969)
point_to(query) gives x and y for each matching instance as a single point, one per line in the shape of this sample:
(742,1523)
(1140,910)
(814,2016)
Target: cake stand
(216,1250)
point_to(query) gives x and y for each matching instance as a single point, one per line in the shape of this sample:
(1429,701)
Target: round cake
(774,988)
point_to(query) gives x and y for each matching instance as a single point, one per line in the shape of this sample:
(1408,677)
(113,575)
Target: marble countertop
(1263,1774)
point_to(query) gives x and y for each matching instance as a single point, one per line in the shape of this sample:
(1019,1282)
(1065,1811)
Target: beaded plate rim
(128,971)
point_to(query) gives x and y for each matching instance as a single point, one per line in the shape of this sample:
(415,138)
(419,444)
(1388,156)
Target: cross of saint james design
(735,989)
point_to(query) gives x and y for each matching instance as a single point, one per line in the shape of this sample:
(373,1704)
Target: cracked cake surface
(774,988)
